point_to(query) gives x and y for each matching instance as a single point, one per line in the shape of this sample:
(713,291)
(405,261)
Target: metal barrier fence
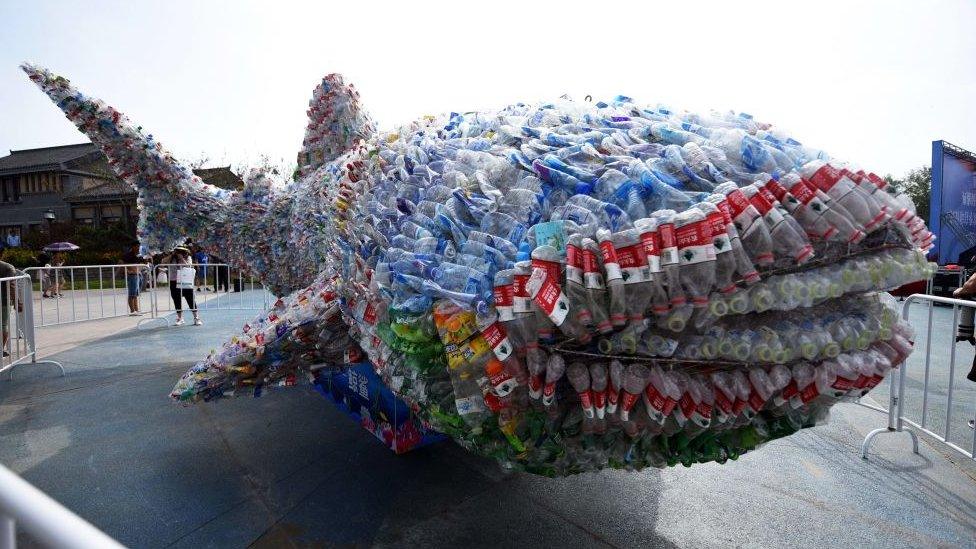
(67,294)
(42,517)
(897,420)
(18,328)
(217,286)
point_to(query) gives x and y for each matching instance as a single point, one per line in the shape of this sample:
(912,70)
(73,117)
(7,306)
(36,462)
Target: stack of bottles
(281,347)
(568,286)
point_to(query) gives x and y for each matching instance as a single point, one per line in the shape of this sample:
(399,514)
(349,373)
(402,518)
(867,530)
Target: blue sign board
(952,214)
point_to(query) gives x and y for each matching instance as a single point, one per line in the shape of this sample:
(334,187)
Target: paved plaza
(289,470)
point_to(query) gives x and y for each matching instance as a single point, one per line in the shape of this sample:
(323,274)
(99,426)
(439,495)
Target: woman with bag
(181,273)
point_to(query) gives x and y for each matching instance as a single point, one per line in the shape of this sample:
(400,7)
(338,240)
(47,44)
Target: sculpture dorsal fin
(336,124)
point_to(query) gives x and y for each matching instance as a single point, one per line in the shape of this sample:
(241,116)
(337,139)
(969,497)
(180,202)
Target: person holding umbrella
(58,249)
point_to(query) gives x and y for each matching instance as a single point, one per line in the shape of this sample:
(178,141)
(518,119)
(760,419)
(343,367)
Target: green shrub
(19,257)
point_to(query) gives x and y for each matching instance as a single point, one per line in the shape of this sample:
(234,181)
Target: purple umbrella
(61,247)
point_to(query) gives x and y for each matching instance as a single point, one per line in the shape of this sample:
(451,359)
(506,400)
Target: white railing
(221,287)
(896,402)
(17,325)
(44,519)
(69,294)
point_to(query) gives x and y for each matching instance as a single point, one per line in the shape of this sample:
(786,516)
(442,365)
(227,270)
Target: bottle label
(504,301)
(586,401)
(502,382)
(760,202)
(773,218)
(633,263)
(369,314)
(738,406)
(873,381)
(551,299)
(652,251)
(843,384)
(786,199)
(832,181)
(687,405)
(694,241)
(628,400)
(744,214)
(535,385)
(550,267)
(574,264)
(656,400)
(599,399)
(613,396)
(720,234)
(756,401)
(809,393)
(549,393)
(723,402)
(520,296)
(790,390)
(610,264)
(704,412)
(669,246)
(591,271)
(497,338)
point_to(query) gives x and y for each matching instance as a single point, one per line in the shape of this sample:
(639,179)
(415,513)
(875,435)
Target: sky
(870,82)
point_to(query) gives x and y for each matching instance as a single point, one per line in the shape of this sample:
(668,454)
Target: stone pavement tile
(499,517)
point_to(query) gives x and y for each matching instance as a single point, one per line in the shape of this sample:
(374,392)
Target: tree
(917,184)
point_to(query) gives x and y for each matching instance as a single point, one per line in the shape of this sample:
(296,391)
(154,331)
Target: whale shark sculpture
(564,286)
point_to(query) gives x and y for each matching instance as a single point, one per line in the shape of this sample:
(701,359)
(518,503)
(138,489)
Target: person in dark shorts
(221,273)
(133,277)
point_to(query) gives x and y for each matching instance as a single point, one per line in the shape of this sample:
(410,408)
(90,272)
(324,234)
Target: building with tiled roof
(73,182)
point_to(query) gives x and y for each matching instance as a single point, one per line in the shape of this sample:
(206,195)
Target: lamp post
(50,217)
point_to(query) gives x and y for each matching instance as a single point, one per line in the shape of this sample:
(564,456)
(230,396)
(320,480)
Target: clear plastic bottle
(669,256)
(832,182)
(617,304)
(725,264)
(596,289)
(696,255)
(579,378)
(634,268)
(754,234)
(651,242)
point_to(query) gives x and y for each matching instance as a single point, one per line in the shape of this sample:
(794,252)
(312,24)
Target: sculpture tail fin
(142,162)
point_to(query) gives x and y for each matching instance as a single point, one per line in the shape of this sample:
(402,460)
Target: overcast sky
(870,82)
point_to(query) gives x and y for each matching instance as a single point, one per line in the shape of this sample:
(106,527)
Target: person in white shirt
(13,239)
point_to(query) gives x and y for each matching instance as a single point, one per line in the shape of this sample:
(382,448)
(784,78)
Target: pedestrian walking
(222,274)
(201,258)
(181,286)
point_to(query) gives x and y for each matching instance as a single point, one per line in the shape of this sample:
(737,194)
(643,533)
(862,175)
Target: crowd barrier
(897,420)
(217,286)
(67,294)
(17,325)
(46,520)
